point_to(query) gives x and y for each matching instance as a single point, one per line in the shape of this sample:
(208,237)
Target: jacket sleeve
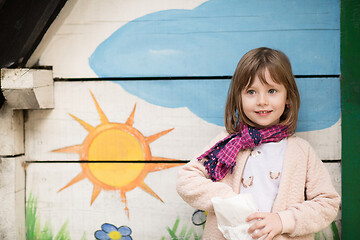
(195,186)
(320,206)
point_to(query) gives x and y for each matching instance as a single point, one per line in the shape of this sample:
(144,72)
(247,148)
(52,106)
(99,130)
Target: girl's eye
(272,91)
(251,92)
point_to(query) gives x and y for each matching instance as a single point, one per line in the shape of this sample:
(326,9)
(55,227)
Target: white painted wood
(326,142)
(47,130)
(88,24)
(68,46)
(148,216)
(334,169)
(11,131)
(27,88)
(12,198)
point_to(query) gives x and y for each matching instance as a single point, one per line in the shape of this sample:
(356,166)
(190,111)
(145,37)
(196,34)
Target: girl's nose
(262,100)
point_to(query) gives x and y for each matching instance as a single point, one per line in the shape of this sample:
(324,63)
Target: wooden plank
(27,88)
(85,27)
(56,129)
(334,169)
(319,109)
(11,131)
(148,216)
(12,195)
(206,40)
(75,113)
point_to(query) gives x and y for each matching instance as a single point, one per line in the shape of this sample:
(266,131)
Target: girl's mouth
(263,112)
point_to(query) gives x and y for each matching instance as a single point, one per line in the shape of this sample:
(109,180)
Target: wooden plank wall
(140,88)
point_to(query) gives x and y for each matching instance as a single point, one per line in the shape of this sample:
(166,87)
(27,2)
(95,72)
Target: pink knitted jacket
(306,202)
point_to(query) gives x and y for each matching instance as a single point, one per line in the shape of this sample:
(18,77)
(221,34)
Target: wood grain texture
(12,196)
(11,131)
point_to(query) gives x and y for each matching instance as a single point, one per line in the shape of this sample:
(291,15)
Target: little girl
(260,155)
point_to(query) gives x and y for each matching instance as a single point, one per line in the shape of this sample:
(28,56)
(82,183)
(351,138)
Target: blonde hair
(255,63)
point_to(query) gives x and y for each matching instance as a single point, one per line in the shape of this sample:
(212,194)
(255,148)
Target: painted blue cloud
(320,98)
(210,39)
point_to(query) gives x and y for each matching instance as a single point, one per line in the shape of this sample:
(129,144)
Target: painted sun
(117,157)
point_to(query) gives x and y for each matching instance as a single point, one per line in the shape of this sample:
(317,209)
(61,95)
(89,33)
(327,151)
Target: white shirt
(262,173)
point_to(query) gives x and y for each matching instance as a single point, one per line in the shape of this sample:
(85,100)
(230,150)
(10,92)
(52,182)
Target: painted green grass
(334,230)
(33,224)
(184,234)
(34,231)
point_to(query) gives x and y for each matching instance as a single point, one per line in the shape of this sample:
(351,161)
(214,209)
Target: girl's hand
(267,223)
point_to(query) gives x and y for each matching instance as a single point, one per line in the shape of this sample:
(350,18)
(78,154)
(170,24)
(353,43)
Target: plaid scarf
(222,156)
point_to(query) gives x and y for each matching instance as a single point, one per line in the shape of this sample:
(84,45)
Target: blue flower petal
(124,230)
(106,227)
(101,235)
(126,238)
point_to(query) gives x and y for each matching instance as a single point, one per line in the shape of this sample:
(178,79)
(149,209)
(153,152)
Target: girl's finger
(257,215)
(260,233)
(258,225)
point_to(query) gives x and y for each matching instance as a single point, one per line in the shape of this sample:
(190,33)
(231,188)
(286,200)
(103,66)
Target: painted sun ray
(154,137)
(130,120)
(95,193)
(102,143)
(87,126)
(101,113)
(147,189)
(76,179)
(124,200)
(70,149)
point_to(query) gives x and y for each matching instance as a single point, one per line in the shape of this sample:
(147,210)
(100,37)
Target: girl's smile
(263,112)
(264,103)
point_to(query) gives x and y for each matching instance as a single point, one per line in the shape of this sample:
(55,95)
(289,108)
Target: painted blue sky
(209,41)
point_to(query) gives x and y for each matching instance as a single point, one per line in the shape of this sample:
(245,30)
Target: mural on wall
(56,129)
(110,232)
(199,217)
(201,46)
(120,143)
(33,224)
(185,233)
(209,41)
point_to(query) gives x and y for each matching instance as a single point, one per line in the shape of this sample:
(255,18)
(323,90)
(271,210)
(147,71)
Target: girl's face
(264,103)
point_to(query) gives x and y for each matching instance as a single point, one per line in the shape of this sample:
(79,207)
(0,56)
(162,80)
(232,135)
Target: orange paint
(118,143)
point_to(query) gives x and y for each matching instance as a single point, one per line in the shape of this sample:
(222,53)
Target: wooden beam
(28,88)
(22,26)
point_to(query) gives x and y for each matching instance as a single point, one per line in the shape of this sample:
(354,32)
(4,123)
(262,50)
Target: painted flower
(110,232)
(199,217)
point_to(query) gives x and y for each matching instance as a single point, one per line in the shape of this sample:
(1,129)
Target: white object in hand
(231,214)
